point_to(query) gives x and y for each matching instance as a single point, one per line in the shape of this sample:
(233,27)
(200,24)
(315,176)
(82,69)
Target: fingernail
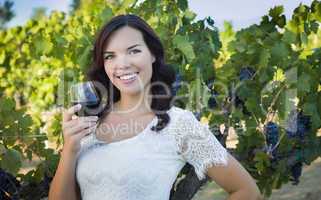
(78,106)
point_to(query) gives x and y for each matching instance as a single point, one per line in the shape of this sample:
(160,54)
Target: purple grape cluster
(271,131)
(296,172)
(212,103)
(298,125)
(246,73)
(241,104)
(9,186)
(177,84)
(197,115)
(35,190)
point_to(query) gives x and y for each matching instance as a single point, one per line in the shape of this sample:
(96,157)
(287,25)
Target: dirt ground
(309,187)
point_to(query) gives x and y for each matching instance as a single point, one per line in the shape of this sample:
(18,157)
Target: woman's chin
(131,90)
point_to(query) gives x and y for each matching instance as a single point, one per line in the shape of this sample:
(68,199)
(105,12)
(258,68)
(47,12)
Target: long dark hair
(161,72)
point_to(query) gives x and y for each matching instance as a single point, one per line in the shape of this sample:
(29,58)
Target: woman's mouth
(128,78)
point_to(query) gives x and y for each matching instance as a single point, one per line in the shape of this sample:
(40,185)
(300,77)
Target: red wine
(89,108)
(85,94)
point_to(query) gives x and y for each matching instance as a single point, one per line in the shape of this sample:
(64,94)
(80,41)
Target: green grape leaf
(182,4)
(304,83)
(7,104)
(279,52)
(310,108)
(106,14)
(11,161)
(2,56)
(43,46)
(276,11)
(183,44)
(264,58)
(262,161)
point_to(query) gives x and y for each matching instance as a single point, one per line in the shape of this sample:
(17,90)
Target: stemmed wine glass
(84,93)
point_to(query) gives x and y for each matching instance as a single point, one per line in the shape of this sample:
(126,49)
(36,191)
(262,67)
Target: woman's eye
(134,51)
(108,57)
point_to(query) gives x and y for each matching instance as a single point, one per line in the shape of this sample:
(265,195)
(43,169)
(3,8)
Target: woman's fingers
(85,132)
(67,114)
(79,120)
(76,129)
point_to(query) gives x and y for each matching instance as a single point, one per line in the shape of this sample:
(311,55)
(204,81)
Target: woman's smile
(128,79)
(128,61)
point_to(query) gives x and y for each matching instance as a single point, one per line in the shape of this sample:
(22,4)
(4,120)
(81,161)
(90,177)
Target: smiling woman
(128,61)
(138,163)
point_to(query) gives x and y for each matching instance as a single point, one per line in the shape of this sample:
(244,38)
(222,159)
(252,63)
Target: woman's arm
(63,185)
(235,180)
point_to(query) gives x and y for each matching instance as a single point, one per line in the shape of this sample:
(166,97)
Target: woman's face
(128,61)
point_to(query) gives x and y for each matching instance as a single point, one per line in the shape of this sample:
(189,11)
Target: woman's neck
(133,104)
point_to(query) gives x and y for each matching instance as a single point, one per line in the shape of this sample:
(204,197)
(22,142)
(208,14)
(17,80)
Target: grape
(212,102)
(272,135)
(298,125)
(240,104)
(8,186)
(34,190)
(197,115)
(177,84)
(296,172)
(210,83)
(246,73)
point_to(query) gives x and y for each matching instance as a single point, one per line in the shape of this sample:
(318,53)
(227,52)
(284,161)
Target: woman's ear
(153,59)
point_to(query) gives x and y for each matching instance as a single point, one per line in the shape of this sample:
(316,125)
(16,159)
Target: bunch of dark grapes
(296,172)
(271,131)
(177,84)
(212,103)
(212,100)
(34,190)
(9,186)
(246,73)
(298,125)
(238,103)
(197,115)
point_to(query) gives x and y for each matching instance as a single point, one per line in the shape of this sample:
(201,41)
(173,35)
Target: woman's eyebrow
(131,47)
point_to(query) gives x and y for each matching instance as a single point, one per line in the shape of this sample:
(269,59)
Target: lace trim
(197,144)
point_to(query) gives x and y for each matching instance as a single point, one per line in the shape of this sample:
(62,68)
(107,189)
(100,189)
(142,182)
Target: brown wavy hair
(161,72)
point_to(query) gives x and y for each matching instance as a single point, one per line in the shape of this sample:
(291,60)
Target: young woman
(139,144)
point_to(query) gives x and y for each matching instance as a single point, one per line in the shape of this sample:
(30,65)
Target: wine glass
(84,93)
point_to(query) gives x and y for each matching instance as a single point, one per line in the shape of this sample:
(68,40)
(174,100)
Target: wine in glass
(84,93)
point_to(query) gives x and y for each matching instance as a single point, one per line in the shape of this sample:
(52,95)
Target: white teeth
(127,77)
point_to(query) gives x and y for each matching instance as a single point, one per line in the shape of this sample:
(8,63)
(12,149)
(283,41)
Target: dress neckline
(126,139)
(148,126)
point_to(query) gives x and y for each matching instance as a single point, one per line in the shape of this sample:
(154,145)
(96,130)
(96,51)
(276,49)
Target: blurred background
(58,44)
(240,13)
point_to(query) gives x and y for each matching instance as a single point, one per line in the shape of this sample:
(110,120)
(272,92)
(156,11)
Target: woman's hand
(75,128)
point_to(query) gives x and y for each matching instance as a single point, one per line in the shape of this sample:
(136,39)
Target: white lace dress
(144,167)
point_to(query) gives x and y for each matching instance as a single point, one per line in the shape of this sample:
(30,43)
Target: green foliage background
(38,62)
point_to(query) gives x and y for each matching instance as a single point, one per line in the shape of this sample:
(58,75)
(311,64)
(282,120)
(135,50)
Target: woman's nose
(122,62)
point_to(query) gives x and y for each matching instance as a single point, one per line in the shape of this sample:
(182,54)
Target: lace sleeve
(197,144)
